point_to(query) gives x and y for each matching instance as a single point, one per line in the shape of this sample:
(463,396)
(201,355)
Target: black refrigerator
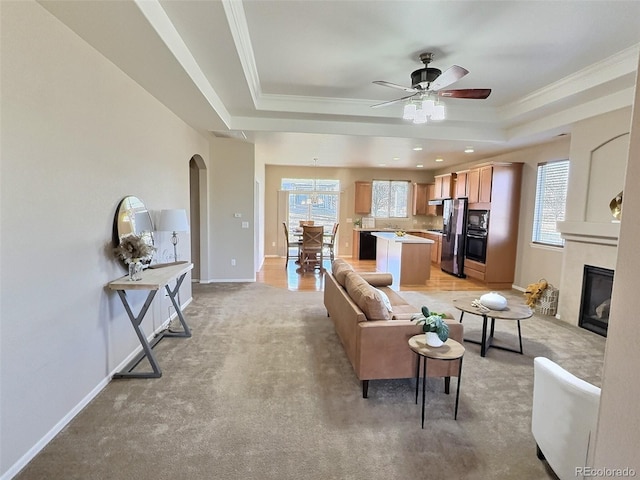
(454,234)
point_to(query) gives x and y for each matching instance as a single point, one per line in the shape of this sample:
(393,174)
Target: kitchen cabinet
(461,184)
(436,248)
(444,186)
(498,190)
(364,191)
(431,191)
(479,182)
(420,198)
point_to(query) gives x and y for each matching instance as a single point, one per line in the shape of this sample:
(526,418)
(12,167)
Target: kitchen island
(407,258)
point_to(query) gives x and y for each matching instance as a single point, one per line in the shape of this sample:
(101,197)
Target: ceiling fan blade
(391,102)
(449,76)
(473,93)
(395,85)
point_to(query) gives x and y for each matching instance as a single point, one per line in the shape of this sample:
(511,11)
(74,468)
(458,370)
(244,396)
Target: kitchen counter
(407,258)
(387,229)
(408,238)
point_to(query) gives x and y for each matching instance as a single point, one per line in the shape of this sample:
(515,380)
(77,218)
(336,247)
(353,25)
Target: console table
(153,279)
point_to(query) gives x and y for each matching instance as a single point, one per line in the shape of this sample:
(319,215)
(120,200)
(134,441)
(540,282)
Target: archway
(198,208)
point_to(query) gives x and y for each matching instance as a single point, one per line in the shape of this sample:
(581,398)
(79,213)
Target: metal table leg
(146,347)
(424,383)
(173,293)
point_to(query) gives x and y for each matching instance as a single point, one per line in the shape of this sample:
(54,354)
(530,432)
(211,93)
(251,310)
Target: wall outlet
(233,262)
(346,244)
(273,244)
(349,220)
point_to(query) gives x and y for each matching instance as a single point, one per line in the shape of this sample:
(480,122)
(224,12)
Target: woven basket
(547,304)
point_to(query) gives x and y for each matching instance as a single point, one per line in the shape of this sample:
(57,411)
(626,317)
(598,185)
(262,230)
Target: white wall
(618,433)
(77,136)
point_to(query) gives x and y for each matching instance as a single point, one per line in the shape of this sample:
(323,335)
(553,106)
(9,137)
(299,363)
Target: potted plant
(435,328)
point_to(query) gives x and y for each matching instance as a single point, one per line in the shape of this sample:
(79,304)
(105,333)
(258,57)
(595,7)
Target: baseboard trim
(516,287)
(64,421)
(230,280)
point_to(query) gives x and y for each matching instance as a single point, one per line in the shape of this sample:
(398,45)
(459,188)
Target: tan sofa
(374,338)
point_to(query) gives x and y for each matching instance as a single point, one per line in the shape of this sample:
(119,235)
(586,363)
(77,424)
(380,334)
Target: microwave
(478,219)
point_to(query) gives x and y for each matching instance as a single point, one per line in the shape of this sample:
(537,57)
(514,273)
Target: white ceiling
(295,77)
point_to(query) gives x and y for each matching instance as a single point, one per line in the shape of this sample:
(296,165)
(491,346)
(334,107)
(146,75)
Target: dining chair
(330,244)
(291,245)
(306,222)
(311,251)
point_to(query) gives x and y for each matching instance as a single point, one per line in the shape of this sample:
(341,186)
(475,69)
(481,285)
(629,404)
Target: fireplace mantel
(591,232)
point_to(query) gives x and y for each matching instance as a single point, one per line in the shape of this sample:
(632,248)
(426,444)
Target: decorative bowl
(494,301)
(400,233)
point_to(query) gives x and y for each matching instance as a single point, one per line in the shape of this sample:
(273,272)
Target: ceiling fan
(429,80)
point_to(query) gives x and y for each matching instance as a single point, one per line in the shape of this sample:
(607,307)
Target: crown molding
(234,10)
(616,66)
(159,20)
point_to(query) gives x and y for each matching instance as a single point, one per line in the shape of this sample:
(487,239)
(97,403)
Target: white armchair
(564,417)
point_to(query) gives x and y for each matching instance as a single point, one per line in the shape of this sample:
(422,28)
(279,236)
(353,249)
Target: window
(312,199)
(390,198)
(551,200)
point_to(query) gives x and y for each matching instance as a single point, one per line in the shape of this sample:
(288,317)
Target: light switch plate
(245,224)
(237,215)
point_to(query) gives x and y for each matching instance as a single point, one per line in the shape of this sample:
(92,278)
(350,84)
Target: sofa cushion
(404,312)
(340,268)
(385,299)
(366,297)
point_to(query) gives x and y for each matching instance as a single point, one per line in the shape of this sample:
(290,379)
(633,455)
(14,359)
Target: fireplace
(597,284)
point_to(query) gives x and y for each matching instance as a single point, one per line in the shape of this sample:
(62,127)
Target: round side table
(450,351)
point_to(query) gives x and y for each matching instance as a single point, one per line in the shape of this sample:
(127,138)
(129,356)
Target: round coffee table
(512,312)
(451,350)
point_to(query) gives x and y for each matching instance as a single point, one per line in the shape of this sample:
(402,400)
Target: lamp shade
(142,222)
(174,220)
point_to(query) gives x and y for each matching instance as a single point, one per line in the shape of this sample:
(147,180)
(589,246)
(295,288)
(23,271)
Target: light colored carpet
(263,390)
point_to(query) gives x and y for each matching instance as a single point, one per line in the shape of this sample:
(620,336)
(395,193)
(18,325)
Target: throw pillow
(385,299)
(366,297)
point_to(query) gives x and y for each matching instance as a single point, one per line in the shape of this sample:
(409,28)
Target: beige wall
(618,434)
(599,153)
(587,136)
(232,182)
(77,136)
(274,233)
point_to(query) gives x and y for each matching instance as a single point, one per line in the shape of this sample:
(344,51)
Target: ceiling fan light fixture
(421,116)
(438,112)
(409,112)
(428,105)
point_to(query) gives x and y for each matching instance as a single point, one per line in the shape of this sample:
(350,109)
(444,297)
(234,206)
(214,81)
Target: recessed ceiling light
(439,160)
(420,166)
(417,148)
(382,164)
(396,158)
(469,150)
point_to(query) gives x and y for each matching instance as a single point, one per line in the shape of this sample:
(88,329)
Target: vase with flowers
(435,328)
(134,250)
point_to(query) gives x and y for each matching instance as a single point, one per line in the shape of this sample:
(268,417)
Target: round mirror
(132,217)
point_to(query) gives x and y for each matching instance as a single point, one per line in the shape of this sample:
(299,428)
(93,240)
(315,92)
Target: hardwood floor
(274,273)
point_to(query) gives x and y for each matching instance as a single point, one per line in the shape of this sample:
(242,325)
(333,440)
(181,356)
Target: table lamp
(174,220)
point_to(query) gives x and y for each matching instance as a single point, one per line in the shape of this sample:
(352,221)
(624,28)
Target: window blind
(551,200)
